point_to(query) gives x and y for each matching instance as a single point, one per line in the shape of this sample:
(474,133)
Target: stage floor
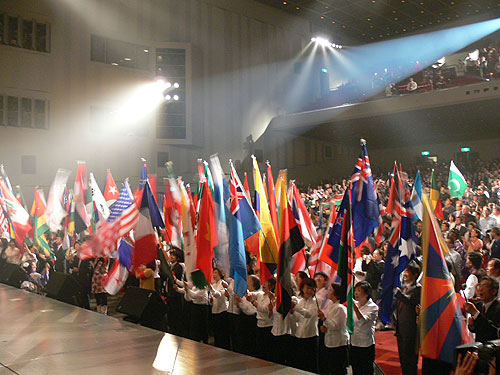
(39,335)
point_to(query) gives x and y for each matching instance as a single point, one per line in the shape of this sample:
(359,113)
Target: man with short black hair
(495,246)
(485,316)
(493,270)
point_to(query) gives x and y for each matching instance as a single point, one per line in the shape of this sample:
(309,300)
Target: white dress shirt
(262,305)
(233,306)
(336,324)
(322,298)
(246,307)
(219,299)
(470,286)
(306,313)
(198,296)
(364,328)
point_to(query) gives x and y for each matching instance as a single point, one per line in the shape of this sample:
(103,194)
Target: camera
(486,353)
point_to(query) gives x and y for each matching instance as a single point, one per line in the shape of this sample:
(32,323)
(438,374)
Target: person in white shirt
(306,313)
(198,330)
(321,279)
(263,303)
(282,343)
(233,312)
(363,336)
(336,335)
(412,86)
(247,318)
(220,304)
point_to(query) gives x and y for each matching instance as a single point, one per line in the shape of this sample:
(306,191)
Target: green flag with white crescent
(456,182)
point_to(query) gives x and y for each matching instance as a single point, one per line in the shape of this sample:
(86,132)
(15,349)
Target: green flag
(456,182)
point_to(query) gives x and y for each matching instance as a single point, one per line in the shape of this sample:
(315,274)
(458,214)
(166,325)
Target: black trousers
(322,356)
(101,299)
(263,343)
(234,332)
(435,367)
(198,328)
(306,353)
(175,315)
(336,361)
(408,355)
(362,360)
(248,329)
(281,349)
(221,330)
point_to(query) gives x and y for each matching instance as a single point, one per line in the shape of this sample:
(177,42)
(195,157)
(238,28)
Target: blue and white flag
(416,197)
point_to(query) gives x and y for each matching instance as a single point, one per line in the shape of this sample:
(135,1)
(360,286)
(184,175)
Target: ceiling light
(168,97)
(176,85)
(146,50)
(114,63)
(127,59)
(176,97)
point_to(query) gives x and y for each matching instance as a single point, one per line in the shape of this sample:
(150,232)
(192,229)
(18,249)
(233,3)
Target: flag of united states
(125,210)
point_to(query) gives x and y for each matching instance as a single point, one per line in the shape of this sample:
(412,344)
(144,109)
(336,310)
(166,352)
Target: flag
(365,209)
(401,248)
(247,188)
(302,216)
(188,237)
(291,242)
(206,236)
(125,253)
(172,208)
(20,197)
(346,262)
(111,192)
(6,178)
(98,199)
(144,174)
(268,245)
(18,216)
(331,243)
(221,196)
(125,210)
(82,218)
(115,279)
(416,196)
(4,224)
(435,198)
(442,326)
(456,182)
(70,229)
(146,240)
(103,242)
(40,224)
(271,197)
(192,205)
(249,220)
(236,249)
(55,211)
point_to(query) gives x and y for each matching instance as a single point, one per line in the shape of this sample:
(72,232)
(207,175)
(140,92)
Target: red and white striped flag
(115,279)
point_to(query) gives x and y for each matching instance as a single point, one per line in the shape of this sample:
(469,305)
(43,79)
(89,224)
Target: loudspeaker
(143,305)
(12,274)
(63,287)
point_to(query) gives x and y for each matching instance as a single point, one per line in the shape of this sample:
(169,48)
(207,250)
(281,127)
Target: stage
(39,335)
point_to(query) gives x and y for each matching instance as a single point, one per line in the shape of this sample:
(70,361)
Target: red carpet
(386,353)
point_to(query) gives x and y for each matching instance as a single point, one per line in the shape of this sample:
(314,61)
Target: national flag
(365,209)
(247,188)
(144,174)
(99,201)
(172,208)
(125,253)
(82,218)
(221,196)
(55,211)
(298,262)
(188,237)
(315,264)
(206,236)
(331,243)
(416,196)
(249,220)
(456,182)
(20,197)
(152,185)
(435,198)
(111,192)
(18,216)
(192,205)
(291,242)
(337,199)
(236,249)
(91,210)
(271,197)
(302,216)
(70,232)
(115,279)
(40,224)
(442,326)
(268,245)
(401,248)
(346,262)
(4,224)
(125,211)
(146,240)
(6,178)
(103,242)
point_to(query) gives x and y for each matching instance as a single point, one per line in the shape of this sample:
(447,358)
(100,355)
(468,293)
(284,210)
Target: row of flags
(215,225)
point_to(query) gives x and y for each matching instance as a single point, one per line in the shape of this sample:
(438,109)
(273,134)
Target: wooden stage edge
(39,336)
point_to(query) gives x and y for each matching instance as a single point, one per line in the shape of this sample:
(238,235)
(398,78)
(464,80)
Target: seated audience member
(493,270)
(474,261)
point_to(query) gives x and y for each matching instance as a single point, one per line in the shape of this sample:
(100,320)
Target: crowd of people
(313,335)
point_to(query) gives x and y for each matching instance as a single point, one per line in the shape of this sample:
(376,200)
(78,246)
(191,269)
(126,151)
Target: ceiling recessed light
(297,8)
(284,3)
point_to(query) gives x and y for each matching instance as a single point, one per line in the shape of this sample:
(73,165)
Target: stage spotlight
(321,41)
(168,85)
(176,85)
(168,97)
(176,97)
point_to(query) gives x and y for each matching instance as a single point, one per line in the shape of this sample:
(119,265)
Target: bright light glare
(321,41)
(176,85)
(168,85)
(176,97)
(140,102)
(168,97)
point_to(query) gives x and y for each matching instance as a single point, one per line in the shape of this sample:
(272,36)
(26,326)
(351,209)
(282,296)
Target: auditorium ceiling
(366,21)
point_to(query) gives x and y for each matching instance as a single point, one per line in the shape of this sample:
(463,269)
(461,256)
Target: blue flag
(125,254)
(365,208)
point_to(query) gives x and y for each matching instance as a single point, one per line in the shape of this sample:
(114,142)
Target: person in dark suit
(485,316)
(60,253)
(406,319)
(82,271)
